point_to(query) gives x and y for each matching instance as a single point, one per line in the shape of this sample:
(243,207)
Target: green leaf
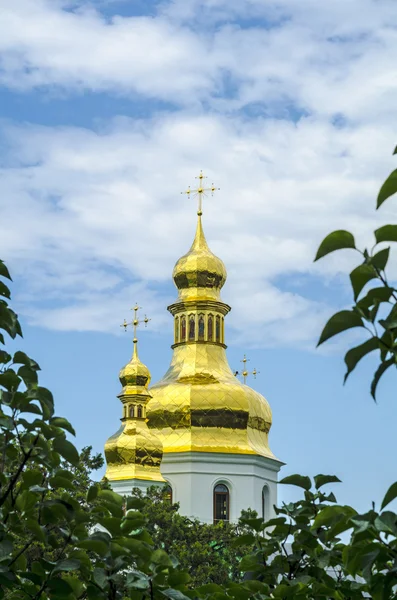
(321,480)
(360,276)
(299,480)
(92,493)
(69,564)
(10,380)
(341,321)
(378,374)
(388,188)
(160,557)
(59,587)
(94,545)
(387,522)
(4,291)
(63,424)
(61,482)
(379,260)
(337,240)
(9,321)
(354,355)
(133,502)
(28,375)
(390,495)
(66,450)
(4,271)
(243,540)
(329,514)
(375,295)
(387,233)
(4,357)
(21,358)
(174,594)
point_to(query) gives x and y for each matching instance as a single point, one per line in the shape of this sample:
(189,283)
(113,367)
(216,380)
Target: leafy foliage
(206,551)
(376,310)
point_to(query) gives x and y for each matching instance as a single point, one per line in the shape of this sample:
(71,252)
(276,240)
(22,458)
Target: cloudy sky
(108,110)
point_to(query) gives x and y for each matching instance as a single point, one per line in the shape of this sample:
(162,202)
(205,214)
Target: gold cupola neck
(199,274)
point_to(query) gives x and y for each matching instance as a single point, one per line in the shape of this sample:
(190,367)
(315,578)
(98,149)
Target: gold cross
(244,373)
(135,322)
(200,191)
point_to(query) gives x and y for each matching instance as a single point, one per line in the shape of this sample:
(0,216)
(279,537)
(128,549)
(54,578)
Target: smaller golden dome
(135,374)
(199,273)
(134,452)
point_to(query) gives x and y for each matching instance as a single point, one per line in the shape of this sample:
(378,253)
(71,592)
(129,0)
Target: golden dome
(135,374)
(199,405)
(199,273)
(134,451)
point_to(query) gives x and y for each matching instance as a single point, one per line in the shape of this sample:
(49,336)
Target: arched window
(131,412)
(223,331)
(221,503)
(139,412)
(218,329)
(168,493)
(201,327)
(210,328)
(192,327)
(176,330)
(183,328)
(265,502)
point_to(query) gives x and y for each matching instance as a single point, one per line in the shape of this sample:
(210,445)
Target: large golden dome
(199,405)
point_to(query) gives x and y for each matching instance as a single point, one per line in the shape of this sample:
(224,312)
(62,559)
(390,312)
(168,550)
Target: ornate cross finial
(244,373)
(135,322)
(200,191)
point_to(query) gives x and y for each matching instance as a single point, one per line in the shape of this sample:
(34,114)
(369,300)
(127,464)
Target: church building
(199,430)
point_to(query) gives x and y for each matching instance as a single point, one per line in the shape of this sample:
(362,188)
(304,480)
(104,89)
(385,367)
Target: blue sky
(109,109)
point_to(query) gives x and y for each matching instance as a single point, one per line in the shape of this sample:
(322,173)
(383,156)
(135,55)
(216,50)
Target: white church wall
(193,476)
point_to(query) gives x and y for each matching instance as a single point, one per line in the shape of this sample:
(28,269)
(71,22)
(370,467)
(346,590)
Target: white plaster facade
(250,479)
(193,476)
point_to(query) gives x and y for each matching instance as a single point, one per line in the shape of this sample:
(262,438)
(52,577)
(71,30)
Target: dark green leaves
(63,424)
(379,260)
(390,495)
(66,450)
(381,370)
(4,272)
(320,480)
(354,355)
(337,240)
(360,276)
(387,233)
(341,321)
(388,188)
(299,480)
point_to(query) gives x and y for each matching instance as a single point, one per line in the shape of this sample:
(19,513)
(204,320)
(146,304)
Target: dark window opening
(139,412)
(168,493)
(218,329)
(183,329)
(192,328)
(210,328)
(221,503)
(131,412)
(201,327)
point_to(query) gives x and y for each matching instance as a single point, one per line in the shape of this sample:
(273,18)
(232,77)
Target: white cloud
(96,218)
